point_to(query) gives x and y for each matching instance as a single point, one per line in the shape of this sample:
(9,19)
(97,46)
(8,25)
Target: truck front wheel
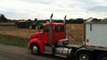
(84,56)
(35,49)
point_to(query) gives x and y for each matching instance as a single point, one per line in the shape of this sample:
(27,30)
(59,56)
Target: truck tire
(70,55)
(102,56)
(84,55)
(35,49)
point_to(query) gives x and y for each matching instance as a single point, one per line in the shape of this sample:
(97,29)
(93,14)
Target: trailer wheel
(102,56)
(84,56)
(35,49)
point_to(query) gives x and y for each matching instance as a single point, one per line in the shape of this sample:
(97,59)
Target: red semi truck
(52,40)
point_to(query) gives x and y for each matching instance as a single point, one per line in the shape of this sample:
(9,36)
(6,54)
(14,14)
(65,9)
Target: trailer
(52,40)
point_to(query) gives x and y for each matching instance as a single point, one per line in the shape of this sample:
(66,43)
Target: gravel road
(17,53)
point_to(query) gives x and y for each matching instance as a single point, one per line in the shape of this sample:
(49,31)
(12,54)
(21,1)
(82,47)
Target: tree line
(71,20)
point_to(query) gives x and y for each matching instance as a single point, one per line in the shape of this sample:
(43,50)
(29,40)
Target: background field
(13,31)
(73,31)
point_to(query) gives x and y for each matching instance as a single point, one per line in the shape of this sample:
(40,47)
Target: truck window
(46,28)
(59,28)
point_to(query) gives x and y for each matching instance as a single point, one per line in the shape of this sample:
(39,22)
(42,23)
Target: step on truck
(52,40)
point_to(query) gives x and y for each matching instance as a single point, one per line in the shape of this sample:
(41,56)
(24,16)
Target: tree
(28,23)
(2,18)
(35,20)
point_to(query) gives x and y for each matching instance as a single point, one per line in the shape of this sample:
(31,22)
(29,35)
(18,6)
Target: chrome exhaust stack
(65,26)
(50,30)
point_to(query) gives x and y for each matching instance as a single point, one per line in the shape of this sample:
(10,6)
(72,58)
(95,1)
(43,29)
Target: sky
(42,9)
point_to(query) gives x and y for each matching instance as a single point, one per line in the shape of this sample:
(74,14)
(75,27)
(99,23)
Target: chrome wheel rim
(35,49)
(83,57)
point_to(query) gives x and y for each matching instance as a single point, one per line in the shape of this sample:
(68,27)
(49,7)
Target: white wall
(98,35)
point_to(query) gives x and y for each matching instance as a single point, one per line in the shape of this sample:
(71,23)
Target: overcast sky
(41,9)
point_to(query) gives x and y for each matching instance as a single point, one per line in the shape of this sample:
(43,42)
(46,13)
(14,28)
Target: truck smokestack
(50,31)
(64,26)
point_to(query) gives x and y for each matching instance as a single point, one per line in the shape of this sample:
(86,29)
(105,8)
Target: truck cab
(40,39)
(57,32)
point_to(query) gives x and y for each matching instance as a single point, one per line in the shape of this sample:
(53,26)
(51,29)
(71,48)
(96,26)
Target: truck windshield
(59,28)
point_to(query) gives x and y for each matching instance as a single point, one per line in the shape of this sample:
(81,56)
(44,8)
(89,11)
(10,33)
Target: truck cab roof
(53,23)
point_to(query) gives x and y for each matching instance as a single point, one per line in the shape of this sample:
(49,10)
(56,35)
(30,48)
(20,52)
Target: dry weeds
(13,31)
(75,33)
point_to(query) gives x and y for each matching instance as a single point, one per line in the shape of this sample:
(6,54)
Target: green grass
(14,41)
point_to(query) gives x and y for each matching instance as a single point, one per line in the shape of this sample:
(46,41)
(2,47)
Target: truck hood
(36,35)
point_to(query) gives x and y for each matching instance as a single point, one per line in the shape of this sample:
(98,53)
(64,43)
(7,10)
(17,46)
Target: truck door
(46,34)
(58,33)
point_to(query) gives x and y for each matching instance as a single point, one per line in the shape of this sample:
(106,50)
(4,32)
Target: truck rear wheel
(84,56)
(35,49)
(102,56)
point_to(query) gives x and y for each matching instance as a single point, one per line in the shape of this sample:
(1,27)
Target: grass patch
(14,41)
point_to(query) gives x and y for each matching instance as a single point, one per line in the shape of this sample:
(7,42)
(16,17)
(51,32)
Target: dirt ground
(73,31)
